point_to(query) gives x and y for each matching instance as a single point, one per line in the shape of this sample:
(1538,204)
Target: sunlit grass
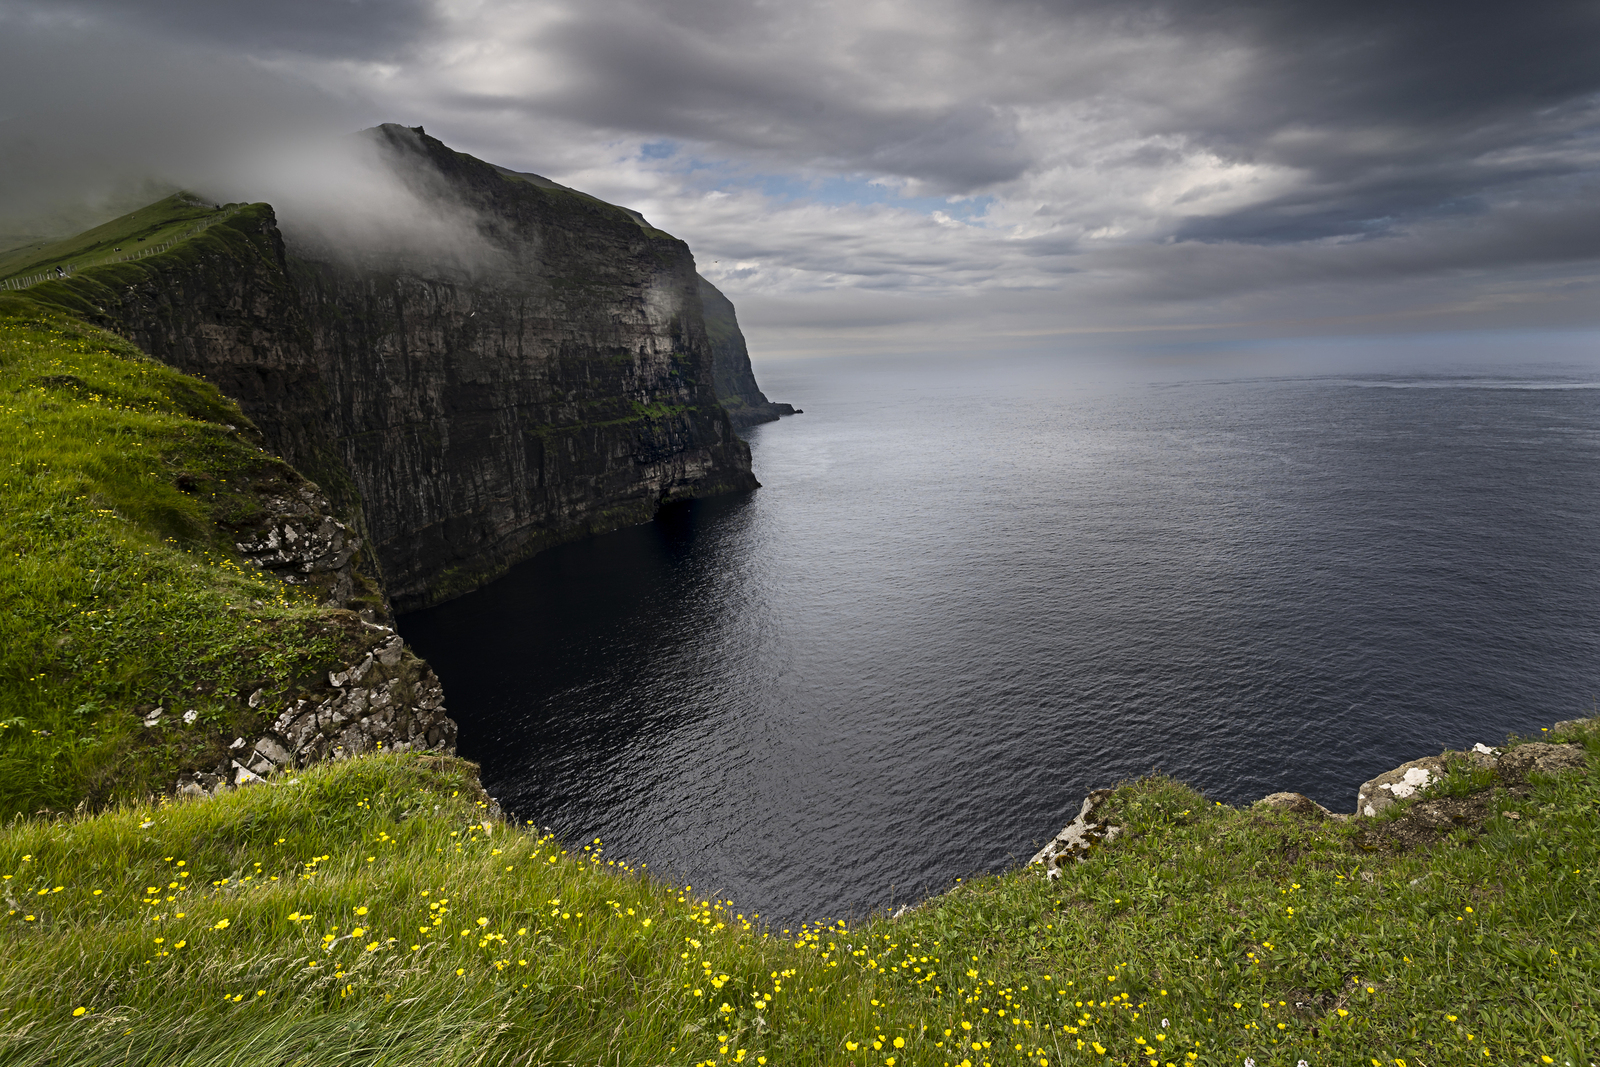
(117,585)
(372,911)
(127,235)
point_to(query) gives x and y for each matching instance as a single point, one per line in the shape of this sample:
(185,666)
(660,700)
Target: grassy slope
(366,914)
(118,587)
(144,228)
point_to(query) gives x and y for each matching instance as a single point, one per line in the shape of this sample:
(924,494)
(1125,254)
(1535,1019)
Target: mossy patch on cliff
(122,482)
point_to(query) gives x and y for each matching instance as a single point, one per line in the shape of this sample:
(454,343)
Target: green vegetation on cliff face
(374,912)
(122,483)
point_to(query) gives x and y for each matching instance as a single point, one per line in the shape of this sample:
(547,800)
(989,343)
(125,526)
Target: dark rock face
(736,384)
(460,414)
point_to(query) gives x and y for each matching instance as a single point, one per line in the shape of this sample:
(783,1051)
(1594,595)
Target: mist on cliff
(96,124)
(362,199)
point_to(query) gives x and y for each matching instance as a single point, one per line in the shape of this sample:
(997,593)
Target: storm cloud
(939,172)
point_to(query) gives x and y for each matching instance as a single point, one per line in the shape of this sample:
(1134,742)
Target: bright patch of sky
(725,176)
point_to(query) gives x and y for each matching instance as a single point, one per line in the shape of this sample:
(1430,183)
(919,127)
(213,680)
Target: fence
(67,270)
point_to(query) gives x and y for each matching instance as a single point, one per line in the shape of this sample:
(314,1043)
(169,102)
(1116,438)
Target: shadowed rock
(736,386)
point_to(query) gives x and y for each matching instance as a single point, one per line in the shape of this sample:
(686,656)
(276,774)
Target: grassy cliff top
(127,235)
(120,588)
(373,911)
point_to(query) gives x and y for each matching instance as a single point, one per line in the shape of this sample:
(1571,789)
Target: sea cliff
(465,412)
(314,433)
(735,381)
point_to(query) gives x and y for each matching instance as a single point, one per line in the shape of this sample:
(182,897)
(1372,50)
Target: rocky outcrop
(297,539)
(461,411)
(735,381)
(384,699)
(1510,766)
(1402,783)
(388,701)
(1294,803)
(1078,838)
(1540,758)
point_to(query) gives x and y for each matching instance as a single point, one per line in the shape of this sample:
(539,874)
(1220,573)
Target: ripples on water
(963,599)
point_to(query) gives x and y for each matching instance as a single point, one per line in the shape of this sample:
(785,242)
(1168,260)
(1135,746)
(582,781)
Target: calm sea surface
(965,596)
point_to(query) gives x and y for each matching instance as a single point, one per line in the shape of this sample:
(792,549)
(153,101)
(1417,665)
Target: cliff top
(122,238)
(408,146)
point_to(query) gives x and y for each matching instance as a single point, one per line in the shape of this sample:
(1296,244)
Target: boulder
(1404,781)
(1297,803)
(1078,838)
(273,751)
(389,652)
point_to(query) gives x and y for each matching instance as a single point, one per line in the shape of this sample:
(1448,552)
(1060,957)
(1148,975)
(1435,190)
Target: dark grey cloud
(1144,155)
(95,120)
(1395,111)
(705,72)
(335,28)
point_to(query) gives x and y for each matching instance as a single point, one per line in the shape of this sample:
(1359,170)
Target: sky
(880,176)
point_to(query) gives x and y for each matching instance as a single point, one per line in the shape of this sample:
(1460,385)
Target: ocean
(969,592)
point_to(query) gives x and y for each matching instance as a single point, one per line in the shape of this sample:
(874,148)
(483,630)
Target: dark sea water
(968,594)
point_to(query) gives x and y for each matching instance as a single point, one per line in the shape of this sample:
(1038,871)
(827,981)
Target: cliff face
(556,381)
(736,384)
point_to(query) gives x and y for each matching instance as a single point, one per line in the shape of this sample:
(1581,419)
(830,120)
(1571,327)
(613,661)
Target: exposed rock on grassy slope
(146,621)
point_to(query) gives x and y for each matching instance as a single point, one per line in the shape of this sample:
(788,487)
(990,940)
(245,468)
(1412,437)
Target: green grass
(119,587)
(145,228)
(371,912)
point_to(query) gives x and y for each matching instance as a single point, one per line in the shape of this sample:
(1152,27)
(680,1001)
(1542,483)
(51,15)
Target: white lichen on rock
(1078,838)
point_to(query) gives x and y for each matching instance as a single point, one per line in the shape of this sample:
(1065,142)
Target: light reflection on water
(963,599)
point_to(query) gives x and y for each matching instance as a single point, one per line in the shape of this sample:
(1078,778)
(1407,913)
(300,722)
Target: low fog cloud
(354,196)
(897,173)
(103,119)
